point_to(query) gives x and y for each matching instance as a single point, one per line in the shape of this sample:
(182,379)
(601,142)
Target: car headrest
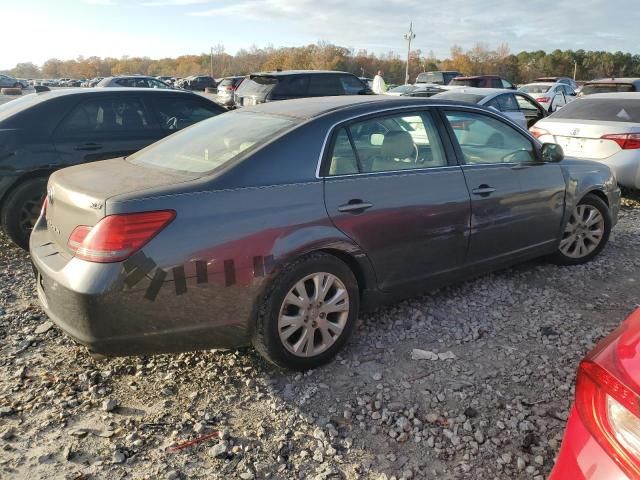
(397,145)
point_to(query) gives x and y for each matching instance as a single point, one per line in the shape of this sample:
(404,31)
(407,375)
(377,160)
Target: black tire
(26,197)
(592,200)
(266,339)
(17,85)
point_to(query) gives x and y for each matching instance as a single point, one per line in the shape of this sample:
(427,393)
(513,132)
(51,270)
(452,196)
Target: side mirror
(376,139)
(552,153)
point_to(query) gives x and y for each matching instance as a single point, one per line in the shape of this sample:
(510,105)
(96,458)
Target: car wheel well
(352,263)
(25,178)
(601,195)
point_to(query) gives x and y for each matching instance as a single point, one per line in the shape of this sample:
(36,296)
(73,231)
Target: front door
(390,188)
(516,200)
(103,127)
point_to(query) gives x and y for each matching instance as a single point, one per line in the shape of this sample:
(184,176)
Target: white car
(604,127)
(551,96)
(517,106)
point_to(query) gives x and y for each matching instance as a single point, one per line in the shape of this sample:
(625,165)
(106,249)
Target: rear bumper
(581,457)
(626,167)
(118,309)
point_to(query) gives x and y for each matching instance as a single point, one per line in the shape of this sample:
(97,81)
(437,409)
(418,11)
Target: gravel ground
(473,381)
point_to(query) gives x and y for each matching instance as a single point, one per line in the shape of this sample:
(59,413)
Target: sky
(40,29)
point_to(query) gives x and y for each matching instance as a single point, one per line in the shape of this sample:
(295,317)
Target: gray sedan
(275,225)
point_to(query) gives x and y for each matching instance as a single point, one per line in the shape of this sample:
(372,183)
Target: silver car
(132,81)
(603,127)
(9,82)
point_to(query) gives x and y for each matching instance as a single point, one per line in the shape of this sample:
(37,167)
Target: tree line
(480,59)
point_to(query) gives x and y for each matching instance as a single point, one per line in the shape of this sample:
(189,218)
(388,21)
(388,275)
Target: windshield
(211,143)
(257,85)
(607,88)
(535,88)
(607,109)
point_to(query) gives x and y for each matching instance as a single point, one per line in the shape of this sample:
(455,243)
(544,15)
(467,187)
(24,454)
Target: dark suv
(44,132)
(483,81)
(286,85)
(198,82)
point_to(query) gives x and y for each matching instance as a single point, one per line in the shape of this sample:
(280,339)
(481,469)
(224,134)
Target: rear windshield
(259,86)
(607,88)
(468,82)
(211,143)
(459,96)
(535,88)
(16,106)
(606,109)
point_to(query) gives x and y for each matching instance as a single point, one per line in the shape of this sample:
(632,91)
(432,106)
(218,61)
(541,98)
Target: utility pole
(211,64)
(575,68)
(409,36)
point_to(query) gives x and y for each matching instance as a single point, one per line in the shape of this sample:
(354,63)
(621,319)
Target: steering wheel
(172,123)
(512,157)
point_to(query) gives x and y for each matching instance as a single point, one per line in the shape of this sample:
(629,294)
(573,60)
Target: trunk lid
(78,195)
(583,138)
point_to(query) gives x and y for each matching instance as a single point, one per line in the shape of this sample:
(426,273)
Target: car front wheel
(308,313)
(586,232)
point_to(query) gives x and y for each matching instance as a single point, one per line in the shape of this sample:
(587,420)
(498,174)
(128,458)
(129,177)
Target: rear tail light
(117,237)
(543,99)
(608,401)
(627,141)
(538,132)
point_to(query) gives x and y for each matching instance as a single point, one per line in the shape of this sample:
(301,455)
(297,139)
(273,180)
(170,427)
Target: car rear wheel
(308,313)
(586,232)
(21,210)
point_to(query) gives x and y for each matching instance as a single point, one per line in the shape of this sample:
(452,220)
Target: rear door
(325,85)
(390,186)
(516,201)
(102,127)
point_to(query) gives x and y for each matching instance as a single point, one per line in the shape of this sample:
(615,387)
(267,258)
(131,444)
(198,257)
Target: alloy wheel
(583,233)
(313,314)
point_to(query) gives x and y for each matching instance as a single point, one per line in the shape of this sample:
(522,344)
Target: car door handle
(483,190)
(88,147)
(355,206)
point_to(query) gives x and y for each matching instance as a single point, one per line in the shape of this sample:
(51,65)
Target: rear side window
(605,109)
(324,85)
(295,86)
(399,142)
(106,114)
(607,88)
(176,112)
(486,140)
(467,82)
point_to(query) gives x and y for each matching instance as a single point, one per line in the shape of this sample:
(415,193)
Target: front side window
(210,144)
(504,103)
(485,140)
(106,114)
(526,105)
(385,144)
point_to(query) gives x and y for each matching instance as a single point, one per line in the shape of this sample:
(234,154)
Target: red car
(602,439)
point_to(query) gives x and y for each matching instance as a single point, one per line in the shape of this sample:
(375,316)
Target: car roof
(615,80)
(306,108)
(277,73)
(473,77)
(105,91)
(544,84)
(482,91)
